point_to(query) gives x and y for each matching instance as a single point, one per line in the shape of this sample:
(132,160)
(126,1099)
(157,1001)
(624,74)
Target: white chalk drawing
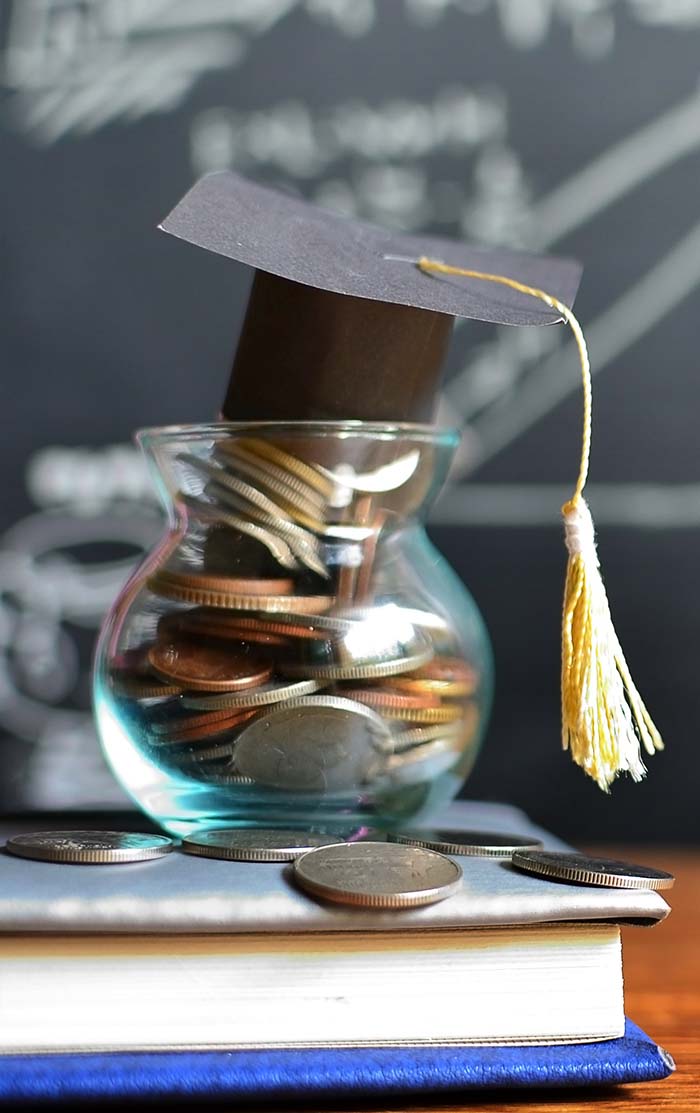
(70,67)
(52,600)
(73,66)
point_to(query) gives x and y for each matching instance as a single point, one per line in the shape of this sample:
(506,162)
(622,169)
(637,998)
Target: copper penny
(136,685)
(382,698)
(191,727)
(183,593)
(443,676)
(227,585)
(210,623)
(206,668)
(203,733)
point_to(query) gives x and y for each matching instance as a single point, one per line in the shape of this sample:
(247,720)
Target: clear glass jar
(294,652)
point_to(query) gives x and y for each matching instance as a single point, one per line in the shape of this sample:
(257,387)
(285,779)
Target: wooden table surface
(662,995)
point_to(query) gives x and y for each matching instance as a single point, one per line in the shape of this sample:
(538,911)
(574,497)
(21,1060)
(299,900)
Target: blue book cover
(280,1075)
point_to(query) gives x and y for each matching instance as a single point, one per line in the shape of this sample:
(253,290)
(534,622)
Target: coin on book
(378,874)
(89,847)
(584,870)
(477,844)
(254,844)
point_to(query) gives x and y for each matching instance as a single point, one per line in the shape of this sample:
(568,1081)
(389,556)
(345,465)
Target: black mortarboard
(340,323)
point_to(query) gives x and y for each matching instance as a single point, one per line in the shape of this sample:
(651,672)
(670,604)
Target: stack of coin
(291,675)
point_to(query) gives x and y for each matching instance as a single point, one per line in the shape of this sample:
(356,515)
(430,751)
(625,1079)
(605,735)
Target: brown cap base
(309,354)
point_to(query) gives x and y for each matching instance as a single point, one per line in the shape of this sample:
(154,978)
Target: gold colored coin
(445,714)
(290,463)
(444,676)
(444,689)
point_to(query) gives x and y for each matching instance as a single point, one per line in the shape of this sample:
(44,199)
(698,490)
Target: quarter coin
(206,668)
(378,874)
(89,847)
(579,868)
(314,744)
(275,479)
(254,845)
(259,697)
(278,548)
(364,670)
(478,844)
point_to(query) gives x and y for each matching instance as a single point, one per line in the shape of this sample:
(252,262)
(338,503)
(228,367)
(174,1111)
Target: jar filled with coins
(294,652)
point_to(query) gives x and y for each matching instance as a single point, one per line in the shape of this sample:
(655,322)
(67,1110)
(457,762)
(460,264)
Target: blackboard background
(535,124)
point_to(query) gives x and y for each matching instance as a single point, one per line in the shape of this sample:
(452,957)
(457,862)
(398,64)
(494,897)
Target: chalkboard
(558,125)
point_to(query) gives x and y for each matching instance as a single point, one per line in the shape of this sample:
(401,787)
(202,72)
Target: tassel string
(604,719)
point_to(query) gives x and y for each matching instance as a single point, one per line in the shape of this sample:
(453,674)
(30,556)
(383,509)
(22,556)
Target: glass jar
(294,652)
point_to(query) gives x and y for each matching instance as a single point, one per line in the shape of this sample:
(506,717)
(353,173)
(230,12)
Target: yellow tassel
(604,721)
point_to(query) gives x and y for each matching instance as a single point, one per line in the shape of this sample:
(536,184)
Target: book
(313,1074)
(201,953)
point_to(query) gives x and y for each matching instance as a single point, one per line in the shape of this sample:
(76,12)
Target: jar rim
(434,434)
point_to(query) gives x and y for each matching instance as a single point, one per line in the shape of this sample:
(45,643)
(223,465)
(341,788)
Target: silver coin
(263,696)
(364,670)
(378,874)
(414,738)
(254,845)
(382,643)
(481,844)
(279,549)
(317,744)
(89,847)
(583,870)
(275,479)
(334,624)
(424,762)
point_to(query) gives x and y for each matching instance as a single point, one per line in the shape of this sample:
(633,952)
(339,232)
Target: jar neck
(365,474)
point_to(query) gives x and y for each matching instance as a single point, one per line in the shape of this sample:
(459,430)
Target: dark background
(542,125)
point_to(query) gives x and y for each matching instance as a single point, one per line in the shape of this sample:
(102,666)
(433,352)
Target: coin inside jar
(254,845)
(378,875)
(482,844)
(314,744)
(443,676)
(584,870)
(206,668)
(89,847)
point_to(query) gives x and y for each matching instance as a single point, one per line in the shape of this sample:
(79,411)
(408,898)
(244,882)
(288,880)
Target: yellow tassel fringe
(604,721)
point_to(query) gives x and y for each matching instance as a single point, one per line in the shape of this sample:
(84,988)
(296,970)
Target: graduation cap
(340,324)
(348,321)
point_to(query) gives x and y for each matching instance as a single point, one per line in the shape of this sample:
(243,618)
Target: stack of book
(202,977)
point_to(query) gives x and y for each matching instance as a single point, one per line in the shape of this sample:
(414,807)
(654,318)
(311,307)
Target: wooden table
(662,995)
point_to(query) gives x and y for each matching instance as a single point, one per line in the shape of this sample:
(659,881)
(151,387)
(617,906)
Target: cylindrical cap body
(310,354)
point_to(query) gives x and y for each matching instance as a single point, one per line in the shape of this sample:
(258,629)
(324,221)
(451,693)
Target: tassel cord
(604,720)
